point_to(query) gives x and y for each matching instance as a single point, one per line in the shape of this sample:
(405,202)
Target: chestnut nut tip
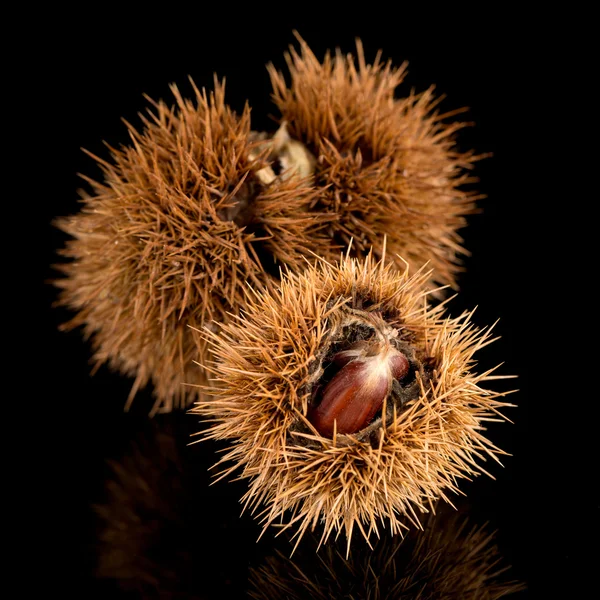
(357,391)
(399,365)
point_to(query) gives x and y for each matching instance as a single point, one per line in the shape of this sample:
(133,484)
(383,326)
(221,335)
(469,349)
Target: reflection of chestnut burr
(452,558)
(150,539)
(349,399)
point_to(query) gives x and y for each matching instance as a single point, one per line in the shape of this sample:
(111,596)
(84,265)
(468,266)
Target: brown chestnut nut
(357,391)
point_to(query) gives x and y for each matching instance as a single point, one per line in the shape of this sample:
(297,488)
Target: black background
(92,71)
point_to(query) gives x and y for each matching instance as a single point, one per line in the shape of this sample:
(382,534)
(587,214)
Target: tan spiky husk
(385,166)
(450,558)
(180,223)
(269,360)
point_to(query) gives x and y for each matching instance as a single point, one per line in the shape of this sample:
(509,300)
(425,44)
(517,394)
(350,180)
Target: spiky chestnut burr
(276,363)
(384,166)
(185,216)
